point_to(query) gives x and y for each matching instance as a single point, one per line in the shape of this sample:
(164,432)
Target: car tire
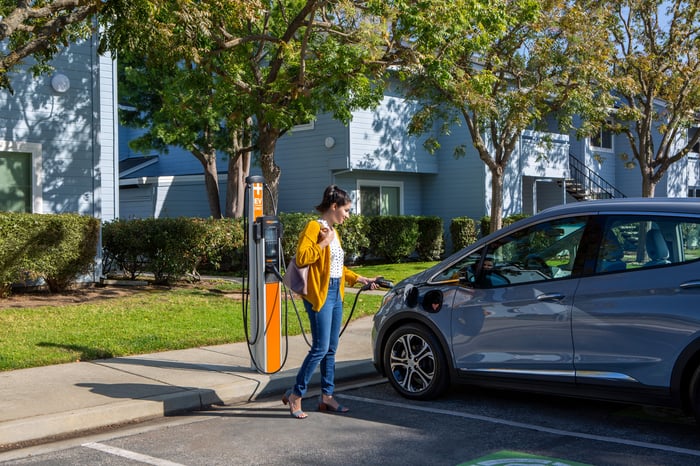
(694,394)
(415,363)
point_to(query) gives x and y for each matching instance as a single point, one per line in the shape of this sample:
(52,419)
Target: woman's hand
(325,237)
(369,281)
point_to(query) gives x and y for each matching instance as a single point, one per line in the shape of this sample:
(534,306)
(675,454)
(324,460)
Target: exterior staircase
(585,185)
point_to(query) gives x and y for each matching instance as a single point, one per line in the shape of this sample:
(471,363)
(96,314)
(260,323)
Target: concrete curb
(41,405)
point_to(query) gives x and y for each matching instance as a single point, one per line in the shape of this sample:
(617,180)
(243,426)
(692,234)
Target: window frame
(602,148)
(35,151)
(696,147)
(380,184)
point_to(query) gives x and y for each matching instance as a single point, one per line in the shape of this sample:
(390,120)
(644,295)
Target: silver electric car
(598,299)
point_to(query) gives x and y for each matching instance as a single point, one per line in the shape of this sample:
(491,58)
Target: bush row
(56,248)
(174,248)
(169,248)
(387,238)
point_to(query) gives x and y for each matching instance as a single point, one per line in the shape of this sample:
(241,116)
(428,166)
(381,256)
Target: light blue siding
(74,132)
(379,139)
(79,166)
(308,166)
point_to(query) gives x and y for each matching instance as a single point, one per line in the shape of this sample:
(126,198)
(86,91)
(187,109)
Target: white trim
(380,184)
(167,180)
(37,171)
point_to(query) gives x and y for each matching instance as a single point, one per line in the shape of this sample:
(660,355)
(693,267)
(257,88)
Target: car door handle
(550,297)
(690,284)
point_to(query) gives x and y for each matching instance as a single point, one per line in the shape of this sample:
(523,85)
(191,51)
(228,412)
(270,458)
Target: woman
(319,247)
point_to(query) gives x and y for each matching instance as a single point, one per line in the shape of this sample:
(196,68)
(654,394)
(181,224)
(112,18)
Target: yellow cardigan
(319,262)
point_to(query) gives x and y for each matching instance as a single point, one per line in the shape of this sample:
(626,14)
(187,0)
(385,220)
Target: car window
(631,242)
(545,251)
(461,270)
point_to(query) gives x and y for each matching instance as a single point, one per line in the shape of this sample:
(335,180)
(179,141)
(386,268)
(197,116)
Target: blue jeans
(325,332)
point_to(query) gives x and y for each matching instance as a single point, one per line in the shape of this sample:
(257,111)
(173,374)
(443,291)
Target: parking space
(465,427)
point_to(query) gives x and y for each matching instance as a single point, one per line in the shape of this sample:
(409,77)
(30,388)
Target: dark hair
(333,195)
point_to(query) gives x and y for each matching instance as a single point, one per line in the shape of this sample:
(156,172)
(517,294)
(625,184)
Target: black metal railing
(584,183)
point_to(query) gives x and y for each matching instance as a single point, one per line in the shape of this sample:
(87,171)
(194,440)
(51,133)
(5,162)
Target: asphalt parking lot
(466,427)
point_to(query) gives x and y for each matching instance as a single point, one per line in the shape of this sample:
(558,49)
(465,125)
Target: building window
(691,134)
(694,191)
(304,126)
(20,177)
(603,140)
(380,198)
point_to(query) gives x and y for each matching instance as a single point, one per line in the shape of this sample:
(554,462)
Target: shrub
(223,242)
(292,225)
(170,248)
(430,239)
(354,236)
(71,244)
(353,233)
(54,247)
(486,222)
(393,237)
(463,232)
(13,244)
(122,249)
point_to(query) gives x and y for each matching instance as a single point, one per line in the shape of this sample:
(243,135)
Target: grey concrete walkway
(42,404)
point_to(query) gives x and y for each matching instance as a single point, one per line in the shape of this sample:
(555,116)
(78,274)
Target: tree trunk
(267,140)
(238,170)
(211,180)
(496,199)
(648,186)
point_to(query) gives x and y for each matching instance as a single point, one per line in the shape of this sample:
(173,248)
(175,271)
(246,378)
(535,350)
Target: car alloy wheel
(415,362)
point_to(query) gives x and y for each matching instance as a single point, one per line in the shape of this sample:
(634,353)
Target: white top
(337,253)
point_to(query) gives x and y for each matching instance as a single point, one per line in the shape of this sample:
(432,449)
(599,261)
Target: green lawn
(151,321)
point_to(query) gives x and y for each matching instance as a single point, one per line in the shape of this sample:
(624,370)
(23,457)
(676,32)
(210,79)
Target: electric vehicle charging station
(264,328)
(265,286)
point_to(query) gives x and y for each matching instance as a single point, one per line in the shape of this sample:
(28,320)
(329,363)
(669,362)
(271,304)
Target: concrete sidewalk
(47,403)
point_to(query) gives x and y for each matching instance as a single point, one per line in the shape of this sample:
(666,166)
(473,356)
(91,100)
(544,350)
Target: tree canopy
(39,29)
(232,76)
(265,70)
(655,75)
(502,70)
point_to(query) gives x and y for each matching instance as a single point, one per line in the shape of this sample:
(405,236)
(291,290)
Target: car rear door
(631,320)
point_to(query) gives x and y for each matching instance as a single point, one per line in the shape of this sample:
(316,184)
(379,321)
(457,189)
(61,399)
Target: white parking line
(522,425)
(130,455)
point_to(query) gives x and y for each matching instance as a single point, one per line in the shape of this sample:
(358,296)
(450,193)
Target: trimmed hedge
(431,244)
(58,248)
(292,225)
(54,247)
(170,248)
(486,222)
(393,237)
(354,236)
(463,232)
(352,232)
